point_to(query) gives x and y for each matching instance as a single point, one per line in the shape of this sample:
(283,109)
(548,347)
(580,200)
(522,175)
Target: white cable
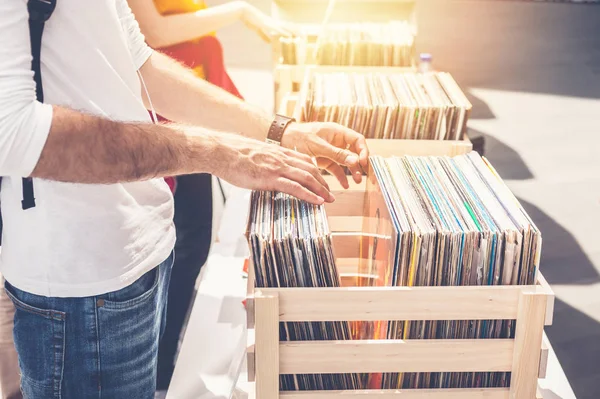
(154,117)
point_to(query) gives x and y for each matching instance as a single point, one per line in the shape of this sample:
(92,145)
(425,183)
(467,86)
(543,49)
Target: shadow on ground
(576,347)
(563,259)
(505,159)
(541,48)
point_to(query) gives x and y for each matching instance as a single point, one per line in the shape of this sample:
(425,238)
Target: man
(88,267)
(184,30)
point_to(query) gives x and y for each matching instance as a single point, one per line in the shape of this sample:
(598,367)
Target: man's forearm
(91,150)
(177,94)
(87,149)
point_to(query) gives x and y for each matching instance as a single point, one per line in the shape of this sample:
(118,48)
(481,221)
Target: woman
(183,29)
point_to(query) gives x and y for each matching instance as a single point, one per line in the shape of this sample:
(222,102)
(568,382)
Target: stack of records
(292,50)
(355,44)
(366,44)
(447,221)
(409,105)
(429,221)
(290,246)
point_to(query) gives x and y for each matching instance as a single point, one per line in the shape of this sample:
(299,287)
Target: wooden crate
(289,106)
(524,356)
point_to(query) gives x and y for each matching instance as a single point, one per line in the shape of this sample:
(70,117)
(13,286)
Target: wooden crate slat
(347,203)
(347,265)
(345,223)
(250,295)
(250,361)
(374,356)
(545,351)
(337,188)
(347,244)
(398,303)
(528,341)
(266,346)
(450,393)
(550,299)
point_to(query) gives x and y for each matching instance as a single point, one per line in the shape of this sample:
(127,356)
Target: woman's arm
(163,31)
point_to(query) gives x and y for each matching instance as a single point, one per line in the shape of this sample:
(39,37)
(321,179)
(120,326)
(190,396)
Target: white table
(213,348)
(555,385)
(214,343)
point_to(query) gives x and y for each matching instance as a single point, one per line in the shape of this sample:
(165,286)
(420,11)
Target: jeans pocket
(142,290)
(129,326)
(41,355)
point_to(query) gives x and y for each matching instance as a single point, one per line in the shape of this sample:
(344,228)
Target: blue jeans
(104,346)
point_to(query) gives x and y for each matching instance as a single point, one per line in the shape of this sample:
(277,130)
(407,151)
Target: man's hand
(332,145)
(180,96)
(256,165)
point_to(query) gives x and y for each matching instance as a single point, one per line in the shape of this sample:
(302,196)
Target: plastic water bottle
(425,62)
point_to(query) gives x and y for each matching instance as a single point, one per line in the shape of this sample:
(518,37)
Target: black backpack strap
(39,12)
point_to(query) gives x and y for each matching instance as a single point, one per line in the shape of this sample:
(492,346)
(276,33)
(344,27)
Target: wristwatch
(278,126)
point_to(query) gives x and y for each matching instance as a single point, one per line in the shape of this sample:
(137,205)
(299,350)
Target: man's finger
(307,180)
(354,141)
(337,171)
(360,147)
(309,167)
(356,172)
(340,155)
(297,154)
(295,189)
(357,143)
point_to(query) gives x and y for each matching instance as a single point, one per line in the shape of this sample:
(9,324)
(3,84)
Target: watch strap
(278,126)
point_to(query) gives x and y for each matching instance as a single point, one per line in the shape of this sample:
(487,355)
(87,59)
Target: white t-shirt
(80,240)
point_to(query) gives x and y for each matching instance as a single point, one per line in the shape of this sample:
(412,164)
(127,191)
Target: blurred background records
(394,105)
(352,44)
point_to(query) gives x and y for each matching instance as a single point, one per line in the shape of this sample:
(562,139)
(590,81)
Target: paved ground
(532,71)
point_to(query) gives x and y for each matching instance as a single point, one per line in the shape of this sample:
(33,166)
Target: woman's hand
(332,145)
(265,26)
